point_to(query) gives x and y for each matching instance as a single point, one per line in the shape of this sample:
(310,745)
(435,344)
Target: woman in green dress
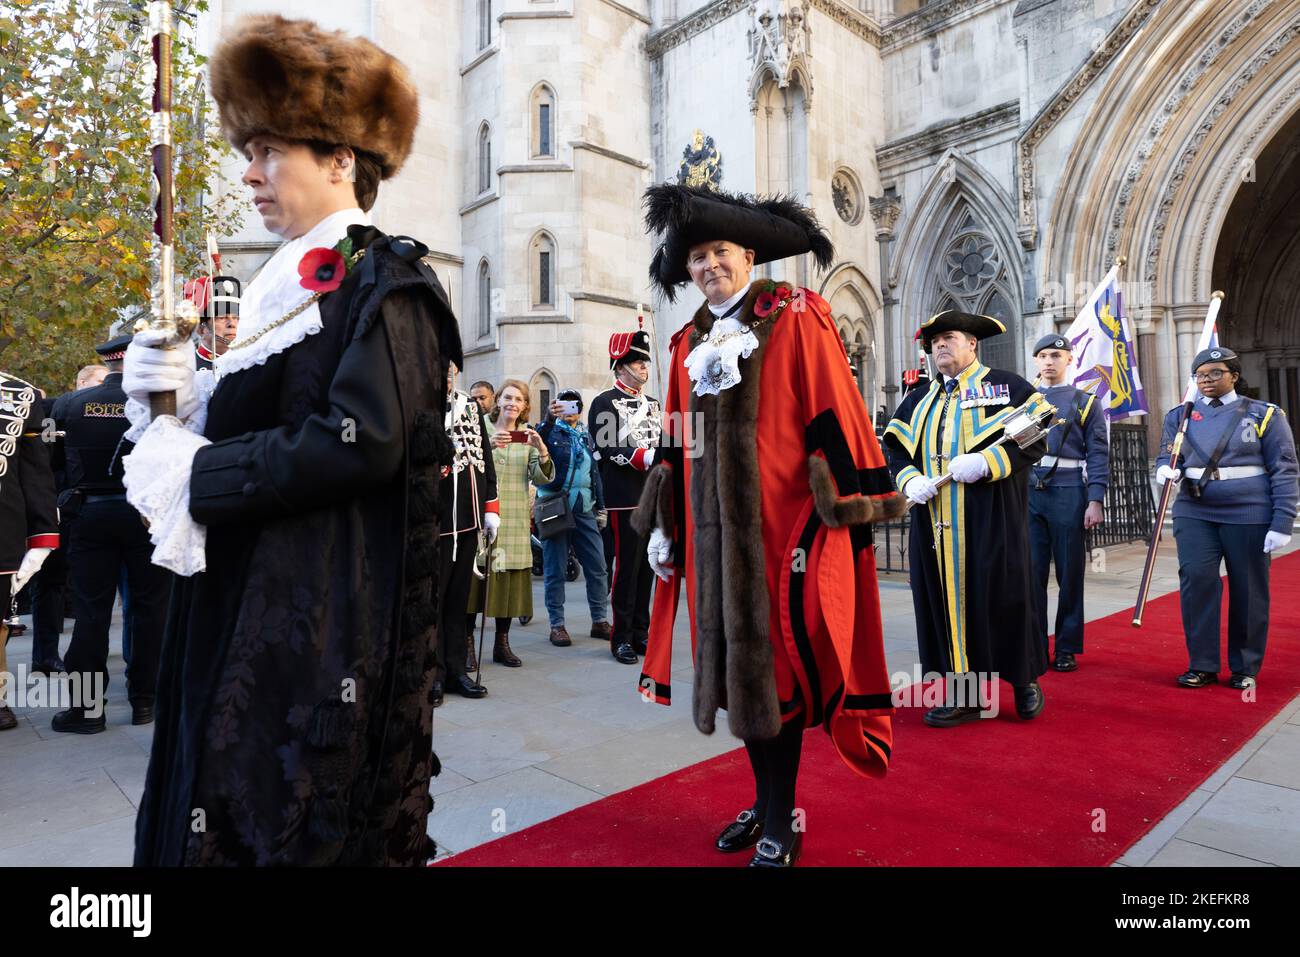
(519,458)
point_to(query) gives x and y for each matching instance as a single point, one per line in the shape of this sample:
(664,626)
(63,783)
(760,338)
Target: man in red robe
(769,477)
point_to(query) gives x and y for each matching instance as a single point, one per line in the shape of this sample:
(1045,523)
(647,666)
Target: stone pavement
(567,729)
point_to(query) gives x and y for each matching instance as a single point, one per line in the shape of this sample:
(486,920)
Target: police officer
(1062,502)
(1236,504)
(625,423)
(29,529)
(106,534)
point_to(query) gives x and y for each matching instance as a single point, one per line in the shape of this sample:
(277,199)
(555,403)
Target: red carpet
(1118,744)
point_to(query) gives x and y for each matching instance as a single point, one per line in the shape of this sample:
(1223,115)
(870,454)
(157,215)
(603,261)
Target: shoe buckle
(745,816)
(768,849)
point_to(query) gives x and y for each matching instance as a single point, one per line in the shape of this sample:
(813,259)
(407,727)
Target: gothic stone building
(995,155)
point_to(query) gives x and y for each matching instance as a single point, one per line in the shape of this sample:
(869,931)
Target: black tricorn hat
(981,327)
(775,227)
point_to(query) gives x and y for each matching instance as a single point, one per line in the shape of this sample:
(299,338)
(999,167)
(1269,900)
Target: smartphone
(518,436)
(568,406)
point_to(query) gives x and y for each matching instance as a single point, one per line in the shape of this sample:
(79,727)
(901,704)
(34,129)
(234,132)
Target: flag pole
(1166,490)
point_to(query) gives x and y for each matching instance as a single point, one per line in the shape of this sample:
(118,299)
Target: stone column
(884,213)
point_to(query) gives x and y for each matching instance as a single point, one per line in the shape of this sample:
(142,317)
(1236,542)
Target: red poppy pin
(773,298)
(323,270)
(1196,416)
(764,304)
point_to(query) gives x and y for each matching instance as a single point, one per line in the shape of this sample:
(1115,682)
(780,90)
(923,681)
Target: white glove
(147,369)
(919,490)
(1272,541)
(648,459)
(660,553)
(1166,474)
(970,467)
(35,558)
(491,522)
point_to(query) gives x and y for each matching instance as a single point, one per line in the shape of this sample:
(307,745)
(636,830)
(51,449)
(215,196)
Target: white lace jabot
(277,291)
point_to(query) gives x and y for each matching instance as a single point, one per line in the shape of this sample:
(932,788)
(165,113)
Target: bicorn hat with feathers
(291,79)
(774,227)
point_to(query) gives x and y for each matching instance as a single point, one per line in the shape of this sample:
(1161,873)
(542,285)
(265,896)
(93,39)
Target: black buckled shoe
(1029,701)
(623,653)
(74,721)
(771,853)
(1197,679)
(142,712)
(742,833)
(436,694)
(950,717)
(1241,682)
(465,687)
(1064,661)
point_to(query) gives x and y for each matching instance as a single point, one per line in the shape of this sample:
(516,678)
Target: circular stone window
(847,196)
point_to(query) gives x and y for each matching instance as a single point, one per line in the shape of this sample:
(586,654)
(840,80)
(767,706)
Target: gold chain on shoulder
(292,313)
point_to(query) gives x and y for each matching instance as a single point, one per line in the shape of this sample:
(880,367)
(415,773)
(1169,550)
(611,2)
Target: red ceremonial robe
(768,491)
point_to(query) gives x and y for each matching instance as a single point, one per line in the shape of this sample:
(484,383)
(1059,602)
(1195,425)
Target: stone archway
(1257,264)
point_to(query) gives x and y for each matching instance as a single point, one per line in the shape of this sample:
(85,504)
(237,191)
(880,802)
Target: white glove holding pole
(918,490)
(148,368)
(35,558)
(1166,474)
(970,467)
(491,524)
(1275,540)
(660,553)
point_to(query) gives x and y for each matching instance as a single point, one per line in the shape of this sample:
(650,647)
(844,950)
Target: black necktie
(1216,403)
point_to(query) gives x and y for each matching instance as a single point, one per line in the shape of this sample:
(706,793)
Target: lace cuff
(137,412)
(157,479)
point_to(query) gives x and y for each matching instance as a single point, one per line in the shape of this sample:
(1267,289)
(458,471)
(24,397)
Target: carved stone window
(847,196)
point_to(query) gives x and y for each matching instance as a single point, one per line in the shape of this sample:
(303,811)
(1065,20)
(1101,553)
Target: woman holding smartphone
(519,455)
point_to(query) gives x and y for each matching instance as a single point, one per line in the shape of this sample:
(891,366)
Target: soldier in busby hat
(217,300)
(298,502)
(624,422)
(765,519)
(1236,505)
(971,572)
(1063,503)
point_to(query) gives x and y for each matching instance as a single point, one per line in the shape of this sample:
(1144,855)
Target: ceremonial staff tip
(1120,260)
(1217,294)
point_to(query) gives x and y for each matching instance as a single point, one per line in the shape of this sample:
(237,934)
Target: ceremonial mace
(175,321)
(1175,453)
(1022,427)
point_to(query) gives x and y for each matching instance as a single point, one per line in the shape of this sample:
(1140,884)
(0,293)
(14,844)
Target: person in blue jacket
(1236,504)
(1065,498)
(576,476)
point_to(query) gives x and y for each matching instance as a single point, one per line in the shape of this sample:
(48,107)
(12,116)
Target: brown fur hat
(293,80)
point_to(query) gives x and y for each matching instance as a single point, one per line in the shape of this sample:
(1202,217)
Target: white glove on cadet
(1272,541)
(35,558)
(919,490)
(147,369)
(970,467)
(660,553)
(1166,474)
(491,523)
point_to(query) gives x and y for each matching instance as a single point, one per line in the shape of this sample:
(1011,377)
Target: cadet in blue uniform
(1236,504)
(105,533)
(1062,502)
